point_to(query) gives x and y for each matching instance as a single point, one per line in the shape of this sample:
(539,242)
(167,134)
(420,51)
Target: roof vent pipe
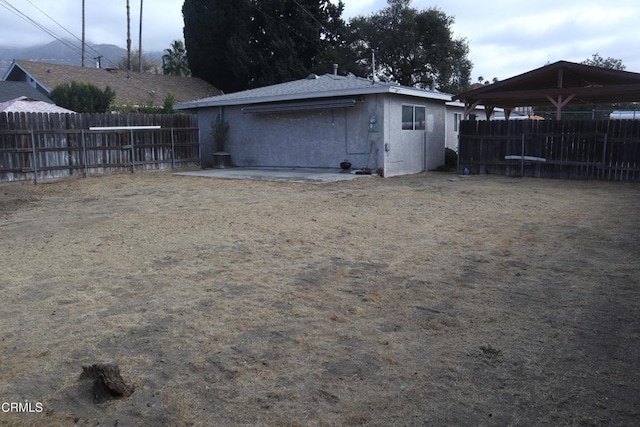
(335,69)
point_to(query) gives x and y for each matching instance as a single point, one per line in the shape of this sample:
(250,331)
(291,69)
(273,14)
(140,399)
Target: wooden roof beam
(507,112)
(560,103)
(468,108)
(488,111)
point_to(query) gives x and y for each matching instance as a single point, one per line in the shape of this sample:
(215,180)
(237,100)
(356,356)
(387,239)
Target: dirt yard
(434,299)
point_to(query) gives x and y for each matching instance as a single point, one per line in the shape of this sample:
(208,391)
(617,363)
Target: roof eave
(16,64)
(374,89)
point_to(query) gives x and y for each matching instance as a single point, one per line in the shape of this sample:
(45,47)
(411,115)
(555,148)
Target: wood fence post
(604,156)
(522,157)
(35,158)
(84,153)
(173,152)
(133,163)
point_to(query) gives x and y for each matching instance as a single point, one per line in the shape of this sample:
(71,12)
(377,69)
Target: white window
(456,121)
(413,117)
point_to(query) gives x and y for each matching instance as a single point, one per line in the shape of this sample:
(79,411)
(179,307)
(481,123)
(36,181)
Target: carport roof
(560,83)
(313,87)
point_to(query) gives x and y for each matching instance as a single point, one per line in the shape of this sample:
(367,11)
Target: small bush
(82,97)
(450,161)
(450,158)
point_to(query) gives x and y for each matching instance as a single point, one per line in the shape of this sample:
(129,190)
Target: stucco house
(321,121)
(455,112)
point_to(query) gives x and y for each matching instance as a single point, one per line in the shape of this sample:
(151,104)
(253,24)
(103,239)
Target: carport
(559,84)
(586,149)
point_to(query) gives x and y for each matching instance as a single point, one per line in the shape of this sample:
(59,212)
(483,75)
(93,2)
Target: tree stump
(107,382)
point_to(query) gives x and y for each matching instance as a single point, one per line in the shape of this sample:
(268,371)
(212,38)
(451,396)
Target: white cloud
(505,37)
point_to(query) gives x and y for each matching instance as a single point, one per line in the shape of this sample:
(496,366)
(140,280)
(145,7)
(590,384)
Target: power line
(67,43)
(23,16)
(95,52)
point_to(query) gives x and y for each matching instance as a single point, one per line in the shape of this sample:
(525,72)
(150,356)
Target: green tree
(482,81)
(174,61)
(412,47)
(83,97)
(147,64)
(598,61)
(169,101)
(241,44)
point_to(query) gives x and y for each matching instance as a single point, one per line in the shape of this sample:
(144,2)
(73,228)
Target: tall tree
(174,61)
(146,66)
(598,61)
(240,44)
(412,47)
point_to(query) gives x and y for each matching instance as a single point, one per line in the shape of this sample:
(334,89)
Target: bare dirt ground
(433,299)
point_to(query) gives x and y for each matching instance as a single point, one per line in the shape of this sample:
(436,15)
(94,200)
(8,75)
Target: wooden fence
(36,146)
(574,149)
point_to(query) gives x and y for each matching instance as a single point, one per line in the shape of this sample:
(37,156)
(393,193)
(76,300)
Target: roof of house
(579,83)
(13,90)
(24,104)
(313,87)
(140,88)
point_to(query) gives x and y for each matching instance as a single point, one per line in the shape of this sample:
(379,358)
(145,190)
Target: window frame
(457,118)
(415,124)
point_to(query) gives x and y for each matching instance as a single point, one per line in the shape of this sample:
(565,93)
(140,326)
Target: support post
(488,111)
(560,103)
(468,108)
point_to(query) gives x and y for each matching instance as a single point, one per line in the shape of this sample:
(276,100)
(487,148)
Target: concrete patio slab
(315,176)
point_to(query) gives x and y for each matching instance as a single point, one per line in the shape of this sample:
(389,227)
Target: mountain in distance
(58,52)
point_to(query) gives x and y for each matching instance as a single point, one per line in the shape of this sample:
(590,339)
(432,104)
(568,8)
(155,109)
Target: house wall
(452,131)
(302,139)
(413,151)
(324,138)
(452,126)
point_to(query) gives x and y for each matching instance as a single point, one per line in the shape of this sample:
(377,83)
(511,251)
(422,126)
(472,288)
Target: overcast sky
(506,37)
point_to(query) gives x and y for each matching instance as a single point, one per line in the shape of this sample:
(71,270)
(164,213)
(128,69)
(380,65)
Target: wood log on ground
(107,382)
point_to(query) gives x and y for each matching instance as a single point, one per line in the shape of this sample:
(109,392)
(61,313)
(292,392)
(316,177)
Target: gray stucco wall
(413,151)
(324,138)
(302,139)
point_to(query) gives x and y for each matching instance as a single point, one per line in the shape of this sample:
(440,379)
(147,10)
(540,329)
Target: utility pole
(140,42)
(83,33)
(128,40)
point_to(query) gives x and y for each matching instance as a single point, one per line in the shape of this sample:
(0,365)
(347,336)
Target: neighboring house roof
(138,89)
(13,90)
(313,87)
(23,104)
